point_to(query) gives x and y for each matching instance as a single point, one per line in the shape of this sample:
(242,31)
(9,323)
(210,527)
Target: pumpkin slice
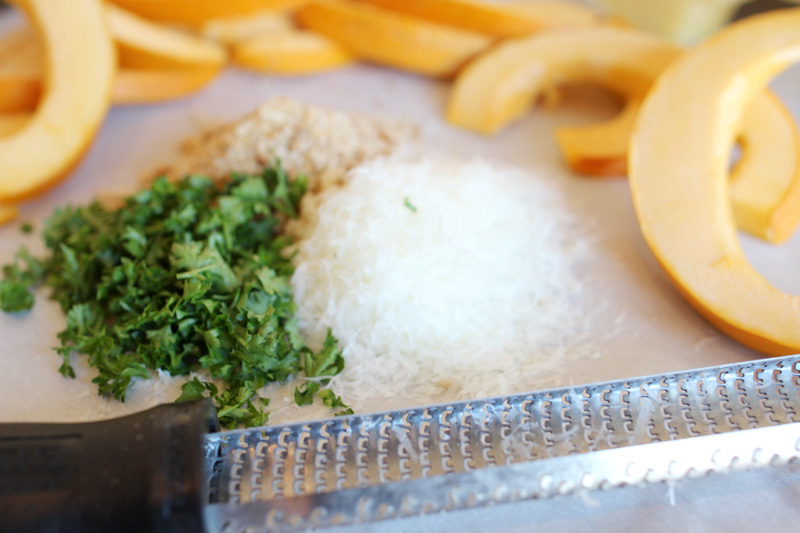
(679,178)
(497,20)
(143,44)
(231,30)
(290,52)
(765,182)
(501,85)
(80,73)
(391,38)
(199,11)
(601,149)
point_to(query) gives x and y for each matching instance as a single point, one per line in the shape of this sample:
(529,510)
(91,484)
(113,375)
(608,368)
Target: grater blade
(537,445)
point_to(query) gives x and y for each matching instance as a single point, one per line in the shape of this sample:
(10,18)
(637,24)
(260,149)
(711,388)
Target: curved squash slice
(501,85)
(679,178)
(290,52)
(79,75)
(497,20)
(199,11)
(765,182)
(391,38)
(602,149)
(143,44)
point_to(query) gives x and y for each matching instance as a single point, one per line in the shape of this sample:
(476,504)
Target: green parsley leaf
(186,276)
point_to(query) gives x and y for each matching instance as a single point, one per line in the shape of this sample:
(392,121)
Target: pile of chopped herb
(185,276)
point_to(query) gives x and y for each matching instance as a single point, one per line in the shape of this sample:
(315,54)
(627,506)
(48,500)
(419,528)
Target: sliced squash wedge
(199,11)
(765,182)
(494,19)
(290,52)
(679,178)
(391,38)
(79,75)
(501,85)
(143,44)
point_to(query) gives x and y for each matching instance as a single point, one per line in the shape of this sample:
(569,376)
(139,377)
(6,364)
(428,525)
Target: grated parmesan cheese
(440,279)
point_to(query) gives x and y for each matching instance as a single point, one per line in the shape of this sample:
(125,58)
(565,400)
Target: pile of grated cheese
(441,279)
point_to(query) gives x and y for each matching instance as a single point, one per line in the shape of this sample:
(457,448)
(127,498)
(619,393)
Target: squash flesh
(679,179)
(391,38)
(290,52)
(79,70)
(507,79)
(143,44)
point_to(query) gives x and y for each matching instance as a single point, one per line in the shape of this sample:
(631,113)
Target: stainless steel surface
(536,445)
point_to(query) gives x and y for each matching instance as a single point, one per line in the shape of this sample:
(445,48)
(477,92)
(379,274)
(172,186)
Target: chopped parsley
(185,276)
(409,205)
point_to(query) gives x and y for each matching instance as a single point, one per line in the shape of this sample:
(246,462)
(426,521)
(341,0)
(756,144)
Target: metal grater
(537,445)
(160,470)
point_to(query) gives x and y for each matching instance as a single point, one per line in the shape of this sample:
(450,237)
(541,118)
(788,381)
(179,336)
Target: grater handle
(142,472)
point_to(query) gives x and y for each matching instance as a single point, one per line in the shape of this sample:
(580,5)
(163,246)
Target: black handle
(139,473)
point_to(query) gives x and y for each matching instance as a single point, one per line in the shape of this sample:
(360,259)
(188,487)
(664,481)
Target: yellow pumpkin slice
(231,30)
(143,44)
(501,85)
(198,11)
(602,149)
(497,20)
(765,182)
(79,71)
(290,52)
(679,178)
(391,38)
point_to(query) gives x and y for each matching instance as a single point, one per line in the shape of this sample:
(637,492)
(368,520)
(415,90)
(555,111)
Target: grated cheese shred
(440,278)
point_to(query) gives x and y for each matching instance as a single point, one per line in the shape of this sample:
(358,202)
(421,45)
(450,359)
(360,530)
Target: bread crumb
(319,143)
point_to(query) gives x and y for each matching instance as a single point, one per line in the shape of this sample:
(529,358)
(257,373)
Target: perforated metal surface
(540,444)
